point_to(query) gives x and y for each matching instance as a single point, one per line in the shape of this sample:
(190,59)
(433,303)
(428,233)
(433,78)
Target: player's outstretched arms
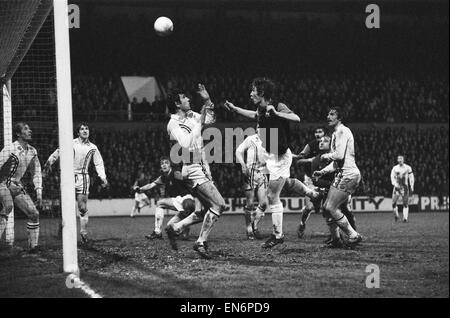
(289,116)
(241,111)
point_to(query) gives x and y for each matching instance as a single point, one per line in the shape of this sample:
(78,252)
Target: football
(163,26)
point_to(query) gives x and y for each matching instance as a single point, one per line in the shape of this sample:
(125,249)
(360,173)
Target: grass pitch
(413,259)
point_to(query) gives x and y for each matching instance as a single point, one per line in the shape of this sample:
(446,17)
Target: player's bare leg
(259,212)
(161,206)
(276,207)
(25,204)
(84,217)
(395,198)
(334,200)
(248,210)
(136,209)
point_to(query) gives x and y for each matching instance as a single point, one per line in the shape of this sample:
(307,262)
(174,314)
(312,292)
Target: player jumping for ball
(402,179)
(84,151)
(347,176)
(185,127)
(256,181)
(272,120)
(15,160)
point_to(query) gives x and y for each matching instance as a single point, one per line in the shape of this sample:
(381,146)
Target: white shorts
(278,166)
(140,197)
(196,174)
(178,201)
(81,183)
(309,182)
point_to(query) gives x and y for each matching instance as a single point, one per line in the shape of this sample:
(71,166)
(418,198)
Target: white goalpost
(7,140)
(65,125)
(36,87)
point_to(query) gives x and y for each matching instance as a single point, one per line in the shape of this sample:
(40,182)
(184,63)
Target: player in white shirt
(402,179)
(347,176)
(84,151)
(256,181)
(185,127)
(15,160)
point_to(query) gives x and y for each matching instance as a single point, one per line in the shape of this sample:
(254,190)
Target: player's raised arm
(241,111)
(100,167)
(283,112)
(207,114)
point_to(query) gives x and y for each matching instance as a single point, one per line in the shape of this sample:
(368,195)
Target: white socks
(396,211)
(3,222)
(405,213)
(159,218)
(277,219)
(208,222)
(33,234)
(83,224)
(259,214)
(346,227)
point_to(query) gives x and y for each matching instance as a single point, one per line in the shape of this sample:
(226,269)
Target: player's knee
(249,207)
(33,216)
(272,198)
(262,206)
(83,212)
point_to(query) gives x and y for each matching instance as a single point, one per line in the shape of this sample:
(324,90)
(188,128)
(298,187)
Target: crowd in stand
(366,98)
(126,152)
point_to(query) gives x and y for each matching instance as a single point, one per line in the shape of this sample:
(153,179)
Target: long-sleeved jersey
(402,176)
(342,151)
(187,132)
(83,152)
(15,160)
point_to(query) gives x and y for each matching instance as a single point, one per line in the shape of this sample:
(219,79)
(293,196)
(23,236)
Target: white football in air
(163,26)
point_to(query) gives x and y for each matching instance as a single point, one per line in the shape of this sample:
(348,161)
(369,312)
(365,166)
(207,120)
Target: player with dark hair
(272,119)
(322,183)
(185,127)
(346,180)
(305,158)
(174,192)
(84,151)
(15,160)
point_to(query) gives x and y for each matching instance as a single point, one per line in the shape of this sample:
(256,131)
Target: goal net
(33,63)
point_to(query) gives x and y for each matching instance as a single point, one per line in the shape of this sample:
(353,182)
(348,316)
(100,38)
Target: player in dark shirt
(323,183)
(174,194)
(305,157)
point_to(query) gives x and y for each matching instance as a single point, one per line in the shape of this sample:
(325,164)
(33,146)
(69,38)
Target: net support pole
(7,140)
(65,128)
